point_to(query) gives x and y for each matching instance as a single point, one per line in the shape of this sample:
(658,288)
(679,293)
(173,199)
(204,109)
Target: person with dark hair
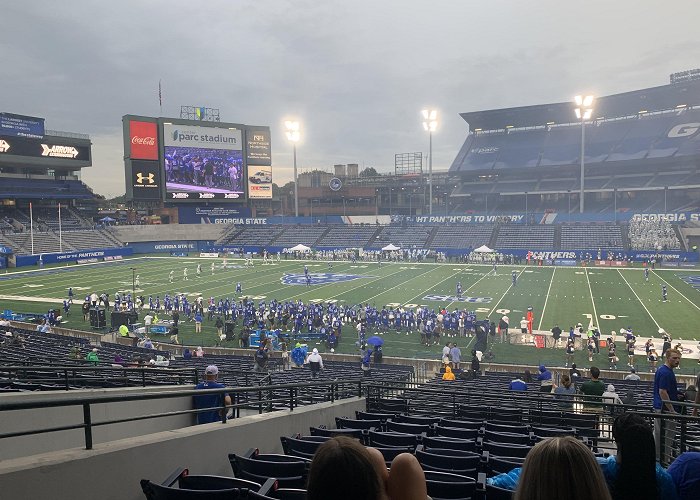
(545,378)
(593,389)
(573,372)
(476,364)
(344,469)
(634,473)
(665,393)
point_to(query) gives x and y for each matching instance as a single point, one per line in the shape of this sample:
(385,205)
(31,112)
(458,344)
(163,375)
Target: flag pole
(31,225)
(160,97)
(60,231)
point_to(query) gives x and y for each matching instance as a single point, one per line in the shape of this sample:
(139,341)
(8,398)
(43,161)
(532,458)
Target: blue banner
(180,246)
(210,215)
(21,126)
(52,258)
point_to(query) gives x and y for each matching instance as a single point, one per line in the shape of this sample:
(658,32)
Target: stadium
(589,226)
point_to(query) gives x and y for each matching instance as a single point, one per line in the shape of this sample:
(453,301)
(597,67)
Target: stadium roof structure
(617,105)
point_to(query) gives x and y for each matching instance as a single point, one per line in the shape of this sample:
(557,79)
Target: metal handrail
(332,392)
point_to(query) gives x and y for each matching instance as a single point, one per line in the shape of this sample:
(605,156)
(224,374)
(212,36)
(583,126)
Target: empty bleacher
(591,236)
(532,237)
(346,236)
(462,237)
(254,236)
(403,237)
(306,235)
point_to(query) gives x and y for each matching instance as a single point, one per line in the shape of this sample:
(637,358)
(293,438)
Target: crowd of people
(657,234)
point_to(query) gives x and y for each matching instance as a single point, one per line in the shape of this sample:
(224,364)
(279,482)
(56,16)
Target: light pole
(584,111)
(293,136)
(430,125)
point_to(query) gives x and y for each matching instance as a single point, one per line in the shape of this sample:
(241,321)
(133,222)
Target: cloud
(356,74)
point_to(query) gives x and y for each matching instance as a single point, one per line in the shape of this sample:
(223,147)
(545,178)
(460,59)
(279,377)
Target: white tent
(484,249)
(300,248)
(390,247)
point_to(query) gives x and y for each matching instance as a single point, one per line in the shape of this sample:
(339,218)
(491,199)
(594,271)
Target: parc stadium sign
(202,137)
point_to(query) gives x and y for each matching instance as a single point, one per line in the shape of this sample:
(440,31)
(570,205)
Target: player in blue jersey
(459,289)
(306,271)
(646,274)
(664,293)
(239,289)
(308,280)
(514,277)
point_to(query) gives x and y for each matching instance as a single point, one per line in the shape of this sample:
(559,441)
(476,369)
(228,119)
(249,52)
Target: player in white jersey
(212,268)
(137,280)
(199,270)
(184,275)
(172,274)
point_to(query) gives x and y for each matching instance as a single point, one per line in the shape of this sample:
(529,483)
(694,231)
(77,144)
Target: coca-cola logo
(146,141)
(144,145)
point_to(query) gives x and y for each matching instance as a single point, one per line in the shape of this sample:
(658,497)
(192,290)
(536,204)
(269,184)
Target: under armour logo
(150,178)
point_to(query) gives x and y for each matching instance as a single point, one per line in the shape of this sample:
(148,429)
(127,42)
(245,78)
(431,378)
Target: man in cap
(315,362)
(210,401)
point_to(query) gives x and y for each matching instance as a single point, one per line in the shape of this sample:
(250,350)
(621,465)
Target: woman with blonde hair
(579,476)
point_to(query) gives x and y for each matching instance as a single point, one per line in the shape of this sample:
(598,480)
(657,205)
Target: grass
(614,298)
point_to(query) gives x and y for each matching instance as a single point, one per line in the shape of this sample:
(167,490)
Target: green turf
(615,298)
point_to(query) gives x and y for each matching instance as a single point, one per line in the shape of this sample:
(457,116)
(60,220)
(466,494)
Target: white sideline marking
(31,299)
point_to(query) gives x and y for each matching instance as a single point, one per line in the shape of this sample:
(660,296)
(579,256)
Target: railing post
(87,421)
(260,402)
(143,377)
(291,399)
(65,377)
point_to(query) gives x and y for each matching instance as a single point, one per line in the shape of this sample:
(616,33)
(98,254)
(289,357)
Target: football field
(611,298)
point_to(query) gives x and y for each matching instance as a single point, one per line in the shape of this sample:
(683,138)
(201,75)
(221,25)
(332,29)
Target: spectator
(147,322)
(199,352)
(365,362)
(580,479)
(592,390)
(630,398)
(565,392)
(343,469)
(198,322)
(527,377)
(610,397)
(446,354)
(633,473)
(75,353)
(545,378)
(219,324)
(118,360)
(517,384)
(574,373)
(448,375)
(665,393)
(476,364)
(174,331)
(378,355)
(92,357)
(315,363)
(455,356)
(210,401)
(632,375)
(261,358)
(187,354)
(685,471)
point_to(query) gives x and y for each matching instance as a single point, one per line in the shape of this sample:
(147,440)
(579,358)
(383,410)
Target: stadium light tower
(430,124)
(293,136)
(584,111)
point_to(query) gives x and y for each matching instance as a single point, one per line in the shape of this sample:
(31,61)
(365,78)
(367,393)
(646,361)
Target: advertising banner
(51,258)
(210,215)
(203,163)
(145,180)
(143,137)
(259,182)
(258,146)
(37,148)
(21,126)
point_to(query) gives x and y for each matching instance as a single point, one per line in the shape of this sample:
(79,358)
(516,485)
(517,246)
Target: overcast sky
(355,74)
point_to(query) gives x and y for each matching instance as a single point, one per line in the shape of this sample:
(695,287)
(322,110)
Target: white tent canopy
(299,248)
(390,247)
(484,249)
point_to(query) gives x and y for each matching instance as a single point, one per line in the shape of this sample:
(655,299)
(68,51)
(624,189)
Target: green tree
(369,172)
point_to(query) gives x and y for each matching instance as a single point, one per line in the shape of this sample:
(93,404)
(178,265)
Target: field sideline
(612,298)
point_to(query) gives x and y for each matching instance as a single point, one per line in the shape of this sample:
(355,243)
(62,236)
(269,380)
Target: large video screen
(203,163)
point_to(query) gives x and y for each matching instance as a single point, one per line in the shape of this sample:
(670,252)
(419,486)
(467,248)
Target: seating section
(254,236)
(531,237)
(306,235)
(347,236)
(462,237)
(13,187)
(403,237)
(653,234)
(591,236)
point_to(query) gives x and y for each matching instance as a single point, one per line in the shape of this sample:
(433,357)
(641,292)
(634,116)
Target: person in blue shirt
(210,400)
(665,393)
(685,471)
(514,277)
(517,385)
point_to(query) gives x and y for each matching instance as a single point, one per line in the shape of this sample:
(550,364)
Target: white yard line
(640,300)
(678,291)
(504,294)
(595,313)
(546,297)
